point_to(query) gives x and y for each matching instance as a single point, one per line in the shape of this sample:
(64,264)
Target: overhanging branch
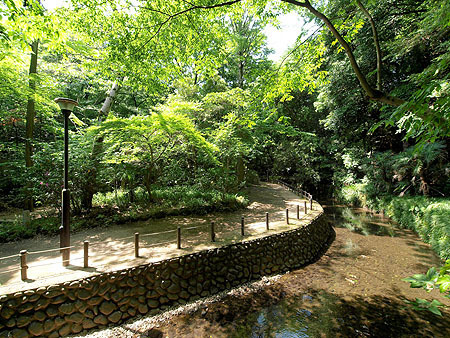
(174,15)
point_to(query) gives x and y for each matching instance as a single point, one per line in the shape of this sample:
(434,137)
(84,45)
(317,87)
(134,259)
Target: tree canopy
(184,91)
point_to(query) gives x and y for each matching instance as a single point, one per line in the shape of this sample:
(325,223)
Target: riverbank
(354,290)
(429,217)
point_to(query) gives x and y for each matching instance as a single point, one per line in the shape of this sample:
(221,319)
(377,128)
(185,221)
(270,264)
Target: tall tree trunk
(240,169)
(31,114)
(375,40)
(91,186)
(150,177)
(106,107)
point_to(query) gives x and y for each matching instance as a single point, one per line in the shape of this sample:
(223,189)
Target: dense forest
(180,106)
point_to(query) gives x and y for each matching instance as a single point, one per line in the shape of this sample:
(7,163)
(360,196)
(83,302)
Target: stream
(354,290)
(321,313)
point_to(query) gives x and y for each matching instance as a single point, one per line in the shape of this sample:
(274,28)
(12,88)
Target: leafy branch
(430,281)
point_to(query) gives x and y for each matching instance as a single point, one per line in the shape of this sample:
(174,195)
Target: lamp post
(66,106)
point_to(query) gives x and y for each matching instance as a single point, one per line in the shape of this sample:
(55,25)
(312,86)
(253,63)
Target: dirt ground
(112,248)
(354,290)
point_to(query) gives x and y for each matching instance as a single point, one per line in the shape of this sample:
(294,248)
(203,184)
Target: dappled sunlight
(113,248)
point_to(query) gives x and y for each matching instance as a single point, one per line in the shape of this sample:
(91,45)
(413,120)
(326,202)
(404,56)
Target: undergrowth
(428,216)
(116,208)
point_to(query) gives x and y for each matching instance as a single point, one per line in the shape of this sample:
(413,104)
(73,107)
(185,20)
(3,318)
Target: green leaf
(444,283)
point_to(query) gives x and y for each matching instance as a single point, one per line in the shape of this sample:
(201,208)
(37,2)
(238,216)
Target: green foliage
(194,198)
(414,171)
(430,281)
(352,194)
(46,226)
(247,54)
(429,217)
(298,158)
(425,116)
(147,144)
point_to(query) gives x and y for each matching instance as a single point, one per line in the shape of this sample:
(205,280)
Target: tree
(91,185)
(23,29)
(145,142)
(247,58)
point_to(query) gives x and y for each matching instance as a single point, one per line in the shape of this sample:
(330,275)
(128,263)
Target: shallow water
(354,290)
(321,313)
(296,317)
(360,221)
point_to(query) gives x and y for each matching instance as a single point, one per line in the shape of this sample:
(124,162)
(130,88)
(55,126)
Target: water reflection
(360,221)
(275,322)
(295,317)
(329,315)
(324,314)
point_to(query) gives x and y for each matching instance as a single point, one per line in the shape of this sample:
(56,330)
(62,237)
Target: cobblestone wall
(113,297)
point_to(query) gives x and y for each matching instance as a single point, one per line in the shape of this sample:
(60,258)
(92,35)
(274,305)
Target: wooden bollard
(306,210)
(311,203)
(65,256)
(179,238)
(287,216)
(23,264)
(267,221)
(242,226)
(86,254)
(136,244)
(213,235)
(298,211)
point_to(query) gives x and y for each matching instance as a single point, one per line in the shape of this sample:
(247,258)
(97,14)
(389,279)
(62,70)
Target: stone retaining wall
(113,297)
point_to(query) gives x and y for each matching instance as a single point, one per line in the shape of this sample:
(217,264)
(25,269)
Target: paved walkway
(112,248)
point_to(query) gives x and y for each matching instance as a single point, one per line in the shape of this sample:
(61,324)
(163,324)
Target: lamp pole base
(65,231)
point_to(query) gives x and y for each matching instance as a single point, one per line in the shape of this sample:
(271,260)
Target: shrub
(429,217)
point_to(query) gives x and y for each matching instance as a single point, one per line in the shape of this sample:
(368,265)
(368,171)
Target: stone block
(107,307)
(101,320)
(67,308)
(19,333)
(36,329)
(77,328)
(115,316)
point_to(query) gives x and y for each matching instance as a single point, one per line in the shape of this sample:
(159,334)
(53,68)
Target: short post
(66,256)
(306,210)
(86,254)
(311,203)
(61,238)
(287,216)
(136,244)
(179,238)
(242,226)
(213,235)
(298,211)
(23,264)
(267,221)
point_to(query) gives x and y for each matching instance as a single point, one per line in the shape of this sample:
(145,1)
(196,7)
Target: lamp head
(66,104)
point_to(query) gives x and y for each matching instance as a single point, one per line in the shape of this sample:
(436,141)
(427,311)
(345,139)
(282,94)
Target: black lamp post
(66,106)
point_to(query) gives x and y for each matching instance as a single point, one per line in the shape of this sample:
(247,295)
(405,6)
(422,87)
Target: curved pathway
(112,248)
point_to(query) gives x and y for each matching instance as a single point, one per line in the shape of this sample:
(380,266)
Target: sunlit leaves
(430,281)
(144,140)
